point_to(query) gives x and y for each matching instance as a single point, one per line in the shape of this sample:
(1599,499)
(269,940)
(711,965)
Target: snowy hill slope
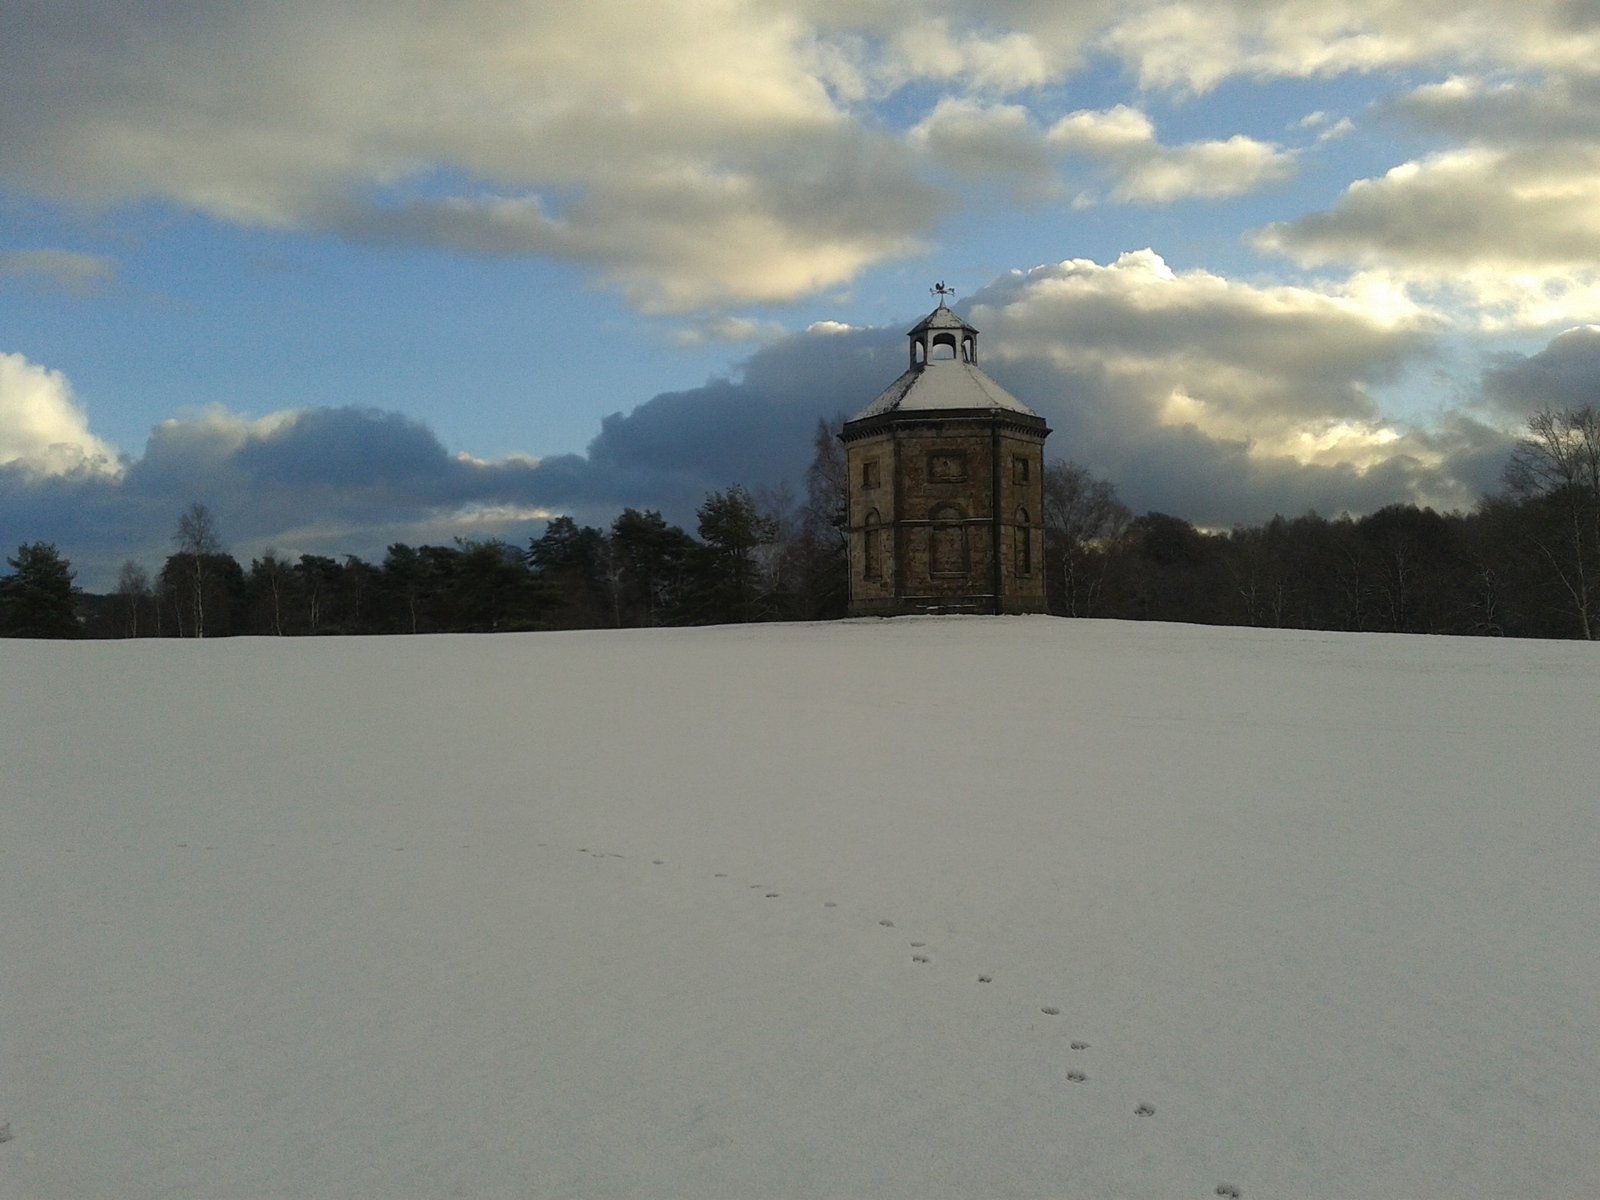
(922,908)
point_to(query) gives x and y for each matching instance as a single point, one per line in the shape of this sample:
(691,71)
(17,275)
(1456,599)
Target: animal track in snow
(1228,1190)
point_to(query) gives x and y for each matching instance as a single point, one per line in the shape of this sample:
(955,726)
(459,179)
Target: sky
(412,270)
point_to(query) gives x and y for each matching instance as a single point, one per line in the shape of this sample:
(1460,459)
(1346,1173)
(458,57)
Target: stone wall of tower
(923,519)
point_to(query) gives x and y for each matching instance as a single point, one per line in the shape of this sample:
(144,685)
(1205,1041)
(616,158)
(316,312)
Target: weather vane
(941,291)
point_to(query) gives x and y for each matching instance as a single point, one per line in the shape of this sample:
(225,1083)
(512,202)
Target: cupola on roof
(943,373)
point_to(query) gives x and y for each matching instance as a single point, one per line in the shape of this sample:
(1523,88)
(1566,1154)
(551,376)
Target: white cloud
(42,430)
(1204,170)
(1343,127)
(1513,233)
(1288,373)
(1146,172)
(1197,44)
(983,140)
(691,154)
(979,139)
(702,154)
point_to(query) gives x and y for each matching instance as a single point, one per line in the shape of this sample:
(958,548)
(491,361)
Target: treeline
(1524,563)
(753,557)
(641,571)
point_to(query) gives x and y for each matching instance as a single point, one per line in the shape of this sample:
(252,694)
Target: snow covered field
(924,908)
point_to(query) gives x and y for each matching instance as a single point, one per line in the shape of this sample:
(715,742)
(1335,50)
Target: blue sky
(366,273)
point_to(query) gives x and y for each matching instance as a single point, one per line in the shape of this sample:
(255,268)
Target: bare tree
(1557,466)
(133,595)
(196,538)
(1081,514)
(827,485)
(822,535)
(273,575)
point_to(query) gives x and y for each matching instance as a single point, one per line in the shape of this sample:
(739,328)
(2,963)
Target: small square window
(1019,470)
(869,474)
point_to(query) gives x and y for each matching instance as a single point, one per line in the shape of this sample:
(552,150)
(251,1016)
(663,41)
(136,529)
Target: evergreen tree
(573,567)
(732,529)
(270,587)
(38,600)
(651,560)
(205,593)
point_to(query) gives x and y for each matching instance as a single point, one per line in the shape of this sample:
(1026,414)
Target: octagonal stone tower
(946,486)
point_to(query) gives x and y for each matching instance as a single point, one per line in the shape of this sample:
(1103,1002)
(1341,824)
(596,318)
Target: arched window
(947,549)
(872,546)
(1024,556)
(943,348)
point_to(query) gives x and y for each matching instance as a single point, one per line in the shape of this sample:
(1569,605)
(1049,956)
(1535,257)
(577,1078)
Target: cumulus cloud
(1504,224)
(1279,373)
(983,140)
(1552,110)
(1515,232)
(1146,172)
(692,160)
(43,432)
(705,156)
(72,271)
(979,140)
(1197,44)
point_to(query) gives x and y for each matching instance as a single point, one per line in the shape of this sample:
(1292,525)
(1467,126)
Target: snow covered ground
(922,908)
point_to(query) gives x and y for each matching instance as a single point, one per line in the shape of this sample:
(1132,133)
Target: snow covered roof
(942,385)
(940,318)
(935,384)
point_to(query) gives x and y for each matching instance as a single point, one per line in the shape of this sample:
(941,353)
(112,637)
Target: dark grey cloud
(1565,374)
(353,480)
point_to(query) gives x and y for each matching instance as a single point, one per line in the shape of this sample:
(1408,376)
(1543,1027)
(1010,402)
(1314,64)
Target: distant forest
(1524,563)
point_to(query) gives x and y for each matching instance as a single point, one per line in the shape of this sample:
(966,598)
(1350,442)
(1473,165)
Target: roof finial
(941,291)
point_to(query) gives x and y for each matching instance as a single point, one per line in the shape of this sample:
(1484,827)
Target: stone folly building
(946,486)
